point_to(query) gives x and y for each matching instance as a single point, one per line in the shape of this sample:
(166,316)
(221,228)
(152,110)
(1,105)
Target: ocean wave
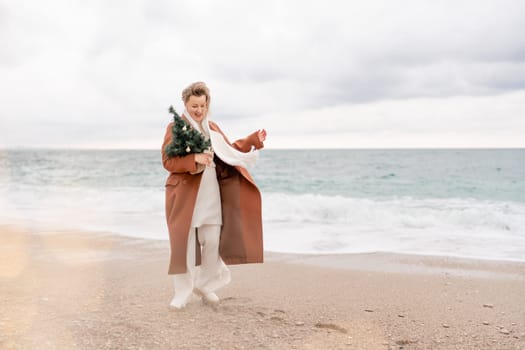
(130,211)
(403,212)
(311,223)
(297,223)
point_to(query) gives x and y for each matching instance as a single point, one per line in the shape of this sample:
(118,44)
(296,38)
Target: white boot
(183,282)
(208,298)
(213,273)
(178,303)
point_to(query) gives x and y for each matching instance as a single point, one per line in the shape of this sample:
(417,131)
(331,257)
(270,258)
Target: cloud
(461,121)
(98,65)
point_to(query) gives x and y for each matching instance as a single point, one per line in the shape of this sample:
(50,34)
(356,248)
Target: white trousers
(211,275)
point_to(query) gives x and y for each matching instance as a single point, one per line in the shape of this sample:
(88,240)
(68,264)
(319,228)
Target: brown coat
(241,233)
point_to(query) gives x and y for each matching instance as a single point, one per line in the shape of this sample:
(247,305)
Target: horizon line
(268,148)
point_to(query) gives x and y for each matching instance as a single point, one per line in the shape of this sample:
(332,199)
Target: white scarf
(222,149)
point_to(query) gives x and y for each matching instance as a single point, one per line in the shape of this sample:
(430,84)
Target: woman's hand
(204,158)
(261,134)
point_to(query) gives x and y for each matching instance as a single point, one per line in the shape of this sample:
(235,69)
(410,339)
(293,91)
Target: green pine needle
(185,139)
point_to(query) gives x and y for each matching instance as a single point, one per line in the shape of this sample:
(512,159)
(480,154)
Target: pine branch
(185,139)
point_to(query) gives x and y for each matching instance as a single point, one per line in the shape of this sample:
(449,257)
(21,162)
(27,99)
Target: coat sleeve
(245,144)
(176,164)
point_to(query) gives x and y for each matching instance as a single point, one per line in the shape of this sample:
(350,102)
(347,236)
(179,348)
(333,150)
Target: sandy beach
(85,290)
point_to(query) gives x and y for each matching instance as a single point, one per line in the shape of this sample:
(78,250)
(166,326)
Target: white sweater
(207,209)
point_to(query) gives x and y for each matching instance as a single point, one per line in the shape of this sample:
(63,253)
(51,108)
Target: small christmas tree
(185,139)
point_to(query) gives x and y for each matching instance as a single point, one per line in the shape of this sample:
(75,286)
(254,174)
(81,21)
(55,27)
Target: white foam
(305,223)
(137,212)
(460,227)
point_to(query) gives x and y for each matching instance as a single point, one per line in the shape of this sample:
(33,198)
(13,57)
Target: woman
(213,207)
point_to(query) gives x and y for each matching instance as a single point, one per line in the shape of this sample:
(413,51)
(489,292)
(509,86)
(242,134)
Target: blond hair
(198,89)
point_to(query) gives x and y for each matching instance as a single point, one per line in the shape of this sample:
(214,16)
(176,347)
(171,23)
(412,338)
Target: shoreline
(388,262)
(52,228)
(84,290)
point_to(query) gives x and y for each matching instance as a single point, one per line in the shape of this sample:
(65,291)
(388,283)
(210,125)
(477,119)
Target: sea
(447,202)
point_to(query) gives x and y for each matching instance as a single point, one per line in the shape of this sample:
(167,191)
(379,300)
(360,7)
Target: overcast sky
(367,74)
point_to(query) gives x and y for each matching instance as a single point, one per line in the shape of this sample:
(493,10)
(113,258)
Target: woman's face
(196,107)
